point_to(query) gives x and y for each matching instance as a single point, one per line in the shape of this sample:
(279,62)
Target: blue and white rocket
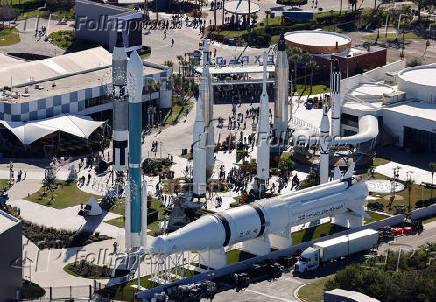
(263,134)
(136,199)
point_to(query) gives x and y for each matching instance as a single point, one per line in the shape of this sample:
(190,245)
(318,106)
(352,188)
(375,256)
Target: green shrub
(31,290)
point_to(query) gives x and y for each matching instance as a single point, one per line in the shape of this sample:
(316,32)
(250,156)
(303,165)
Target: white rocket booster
(136,200)
(335,88)
(324,150)
(120,105)
(266,217)
(199,153)
(263,133)
(206,94)
(282,92)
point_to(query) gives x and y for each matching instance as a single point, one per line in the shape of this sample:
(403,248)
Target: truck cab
(308,261)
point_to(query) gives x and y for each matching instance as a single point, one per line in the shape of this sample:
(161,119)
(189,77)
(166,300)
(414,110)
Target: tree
(286,164)
(306,57)
(312,66)
(423,4)
(353,4)
(180,60)
(294,56)
(267,13)
(408,184)
(432,166)
(169,63)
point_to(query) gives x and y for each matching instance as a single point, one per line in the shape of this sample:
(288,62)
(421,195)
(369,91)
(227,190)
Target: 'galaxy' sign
(243,60)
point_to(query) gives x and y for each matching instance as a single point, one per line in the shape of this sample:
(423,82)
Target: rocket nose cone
(157,246)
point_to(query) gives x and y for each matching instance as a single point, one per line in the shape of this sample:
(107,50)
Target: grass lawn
(3,183)
(235,256)
(9,36)
(65,196)
(391,36)
(125,292)
(316,89)
(119,208)
(56,14)
(416,194)
(65,39)
(374,217)
(176,114)
(313,292)
(379,161)
(429,220)
(309,234)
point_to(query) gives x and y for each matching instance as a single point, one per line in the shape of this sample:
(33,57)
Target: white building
(403,99)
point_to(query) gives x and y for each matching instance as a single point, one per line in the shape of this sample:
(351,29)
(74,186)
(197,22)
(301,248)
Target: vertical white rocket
(324,150)
(136,199)
(335,88)
(120,111)
(199,153)
(206,94)
(281,115)
(263,134)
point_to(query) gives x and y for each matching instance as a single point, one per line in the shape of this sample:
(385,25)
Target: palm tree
(306,58)
(180,60)
(267,13)
(408,184)
(432,166)
(169,63)
(353,4)
(294,56)
(312,66)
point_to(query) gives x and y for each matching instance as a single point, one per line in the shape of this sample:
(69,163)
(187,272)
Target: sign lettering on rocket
(323,211)
(243,60)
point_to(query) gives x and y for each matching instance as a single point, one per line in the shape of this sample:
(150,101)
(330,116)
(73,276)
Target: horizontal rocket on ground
(268,216)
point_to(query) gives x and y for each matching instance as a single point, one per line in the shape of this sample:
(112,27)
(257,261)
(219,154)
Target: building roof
(29,132)
(7,61)
(7,221)
(416,109)
(50,69)
(77,76)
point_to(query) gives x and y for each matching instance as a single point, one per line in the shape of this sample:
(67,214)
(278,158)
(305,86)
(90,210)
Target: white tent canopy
(29,132)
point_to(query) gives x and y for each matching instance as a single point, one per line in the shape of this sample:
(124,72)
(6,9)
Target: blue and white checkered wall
(73,103)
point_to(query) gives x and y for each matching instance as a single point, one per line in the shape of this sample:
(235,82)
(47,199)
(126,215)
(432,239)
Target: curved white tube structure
(264,217)
(368,130)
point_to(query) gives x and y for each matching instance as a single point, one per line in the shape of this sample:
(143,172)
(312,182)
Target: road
(413,241)
(284,289)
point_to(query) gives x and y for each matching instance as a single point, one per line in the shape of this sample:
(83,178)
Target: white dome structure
(418,82)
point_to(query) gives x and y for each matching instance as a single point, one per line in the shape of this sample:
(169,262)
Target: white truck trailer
(334,248)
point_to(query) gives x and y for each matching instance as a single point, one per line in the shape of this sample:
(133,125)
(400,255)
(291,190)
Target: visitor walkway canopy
(29,132)
(240,7)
